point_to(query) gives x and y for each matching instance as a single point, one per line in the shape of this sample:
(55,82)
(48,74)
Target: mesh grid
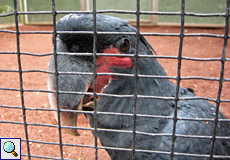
(178,79)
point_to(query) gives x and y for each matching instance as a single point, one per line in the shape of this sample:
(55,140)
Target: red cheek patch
(105,63)
(120,62)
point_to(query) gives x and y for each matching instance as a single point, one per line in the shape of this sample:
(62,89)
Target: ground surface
(199,47)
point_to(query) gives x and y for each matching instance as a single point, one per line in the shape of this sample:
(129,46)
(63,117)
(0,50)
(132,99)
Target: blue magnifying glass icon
(9,147)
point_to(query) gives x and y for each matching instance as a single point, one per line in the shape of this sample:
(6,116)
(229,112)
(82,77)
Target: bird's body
(123,85)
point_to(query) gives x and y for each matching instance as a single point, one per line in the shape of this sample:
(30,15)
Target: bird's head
(83,43)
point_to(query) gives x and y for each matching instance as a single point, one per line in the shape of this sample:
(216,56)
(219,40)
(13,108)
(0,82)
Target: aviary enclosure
(190,39)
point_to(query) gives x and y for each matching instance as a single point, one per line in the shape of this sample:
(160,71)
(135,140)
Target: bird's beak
(69,83)
(69,118)
(66,118)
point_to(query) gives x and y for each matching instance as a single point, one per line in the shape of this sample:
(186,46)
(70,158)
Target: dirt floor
(199,47)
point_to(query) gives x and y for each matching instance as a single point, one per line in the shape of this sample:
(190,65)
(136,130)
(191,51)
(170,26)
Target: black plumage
(83,43)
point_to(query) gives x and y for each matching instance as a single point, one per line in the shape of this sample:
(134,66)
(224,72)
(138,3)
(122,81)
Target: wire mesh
(178,79)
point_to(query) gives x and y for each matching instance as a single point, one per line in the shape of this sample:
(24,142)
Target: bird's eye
(123,45)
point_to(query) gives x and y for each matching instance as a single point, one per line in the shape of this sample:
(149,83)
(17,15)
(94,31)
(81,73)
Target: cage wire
(178,79)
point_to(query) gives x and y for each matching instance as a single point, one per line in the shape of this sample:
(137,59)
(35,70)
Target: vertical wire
(20,77)
(221,78)
(54,13)
(95,76)
(135,79)
(178,77)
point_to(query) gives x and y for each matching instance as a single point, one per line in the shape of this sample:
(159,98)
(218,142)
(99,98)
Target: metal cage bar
(181,35)
(178,79)
(221,78)
(20,76)
(95,77)
(56,76)
(135,79)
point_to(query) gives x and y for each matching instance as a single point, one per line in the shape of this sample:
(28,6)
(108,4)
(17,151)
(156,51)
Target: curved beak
(72,83)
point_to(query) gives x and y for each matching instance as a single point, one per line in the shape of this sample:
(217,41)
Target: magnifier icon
(9,147)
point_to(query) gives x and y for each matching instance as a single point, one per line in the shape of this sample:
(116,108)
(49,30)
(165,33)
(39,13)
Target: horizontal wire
(8,31)
(120,114)
(36,70)
(114,74)
(27,53)
(36,32)
(117,114)
(143,34)
(118,33)
(120,131)
(36,54)
(193,14)
(45,157)
(34,12)
(7,14)
(163,152)
(14,107)
(7,52)
(114,95)
(117,55)
(138,150)
(57,143)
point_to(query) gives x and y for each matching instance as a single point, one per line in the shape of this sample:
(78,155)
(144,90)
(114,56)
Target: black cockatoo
(124,85)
